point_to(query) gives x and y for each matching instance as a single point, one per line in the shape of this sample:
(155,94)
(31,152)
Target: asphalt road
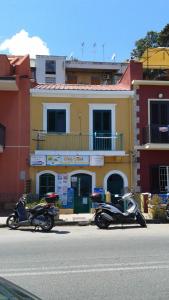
(83,262)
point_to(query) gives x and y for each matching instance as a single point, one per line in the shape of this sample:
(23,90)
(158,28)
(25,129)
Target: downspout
(131,141)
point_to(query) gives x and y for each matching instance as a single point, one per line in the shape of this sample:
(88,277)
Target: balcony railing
(2,137)
(156,134)
(78,142)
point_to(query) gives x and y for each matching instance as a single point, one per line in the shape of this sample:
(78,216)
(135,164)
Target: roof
(82,87)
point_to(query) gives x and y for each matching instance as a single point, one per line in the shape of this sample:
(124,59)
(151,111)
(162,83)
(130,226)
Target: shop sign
(38,160)
(97,160)
(67,160)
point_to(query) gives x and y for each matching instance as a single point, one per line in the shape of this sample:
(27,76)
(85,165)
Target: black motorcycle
(123,210)
(39,216)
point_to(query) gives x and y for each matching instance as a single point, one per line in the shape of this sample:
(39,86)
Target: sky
(99,30)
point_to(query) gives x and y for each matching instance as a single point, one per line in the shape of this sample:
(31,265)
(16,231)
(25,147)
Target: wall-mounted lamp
(160,95)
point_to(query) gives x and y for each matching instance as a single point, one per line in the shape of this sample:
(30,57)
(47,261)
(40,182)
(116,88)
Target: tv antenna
(82,46)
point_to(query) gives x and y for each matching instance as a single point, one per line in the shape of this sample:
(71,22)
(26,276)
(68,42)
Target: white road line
(90,270)
(105,265)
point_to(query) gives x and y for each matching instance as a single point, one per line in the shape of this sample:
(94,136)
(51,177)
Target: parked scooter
(114,213)
(39,216)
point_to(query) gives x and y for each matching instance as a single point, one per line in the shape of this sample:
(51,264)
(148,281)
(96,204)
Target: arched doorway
(82,186)
(115,184)
(46,183)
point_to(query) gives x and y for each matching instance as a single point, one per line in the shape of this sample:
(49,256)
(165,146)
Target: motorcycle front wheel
(12,222)
(100,222)
(49,223)
(141,220)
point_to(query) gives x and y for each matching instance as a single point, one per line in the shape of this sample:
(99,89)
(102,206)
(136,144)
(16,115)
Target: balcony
(78,142)
(2,138)
(156,134)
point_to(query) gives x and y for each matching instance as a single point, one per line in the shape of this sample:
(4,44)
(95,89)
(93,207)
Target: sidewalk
(77,219)
(68,219)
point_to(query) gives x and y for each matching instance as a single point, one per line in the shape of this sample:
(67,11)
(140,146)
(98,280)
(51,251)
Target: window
(46,184)
(164,178)
(56,117)
(72,79)
(56,120)
(50,79)
(95,79)
(159,121)
(159,179)
(50,67)
(102,126)
(102,129)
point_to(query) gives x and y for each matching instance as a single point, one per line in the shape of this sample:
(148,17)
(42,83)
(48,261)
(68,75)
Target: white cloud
(21,43)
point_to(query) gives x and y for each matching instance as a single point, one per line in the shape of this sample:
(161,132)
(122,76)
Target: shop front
(75,183)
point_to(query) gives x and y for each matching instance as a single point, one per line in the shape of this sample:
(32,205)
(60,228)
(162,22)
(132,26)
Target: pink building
(14,127)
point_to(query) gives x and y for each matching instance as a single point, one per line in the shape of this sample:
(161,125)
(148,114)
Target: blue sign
(70,198)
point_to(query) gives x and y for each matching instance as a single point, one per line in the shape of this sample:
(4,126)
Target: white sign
(38,160)
(67,160)
(97,160)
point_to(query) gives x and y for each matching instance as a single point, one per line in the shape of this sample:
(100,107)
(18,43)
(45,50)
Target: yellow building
(155,58)
(82,137)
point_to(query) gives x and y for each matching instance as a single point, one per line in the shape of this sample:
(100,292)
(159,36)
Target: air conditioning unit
(106,76)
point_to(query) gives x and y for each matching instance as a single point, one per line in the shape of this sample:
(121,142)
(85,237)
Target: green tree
(163,39)
(149,41)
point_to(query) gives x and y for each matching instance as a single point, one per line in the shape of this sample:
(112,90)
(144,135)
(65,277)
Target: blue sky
(61,26)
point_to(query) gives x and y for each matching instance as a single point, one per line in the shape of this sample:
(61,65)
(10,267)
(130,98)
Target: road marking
(98,269)
(42,268)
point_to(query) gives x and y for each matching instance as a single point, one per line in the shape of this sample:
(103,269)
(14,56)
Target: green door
(82,185)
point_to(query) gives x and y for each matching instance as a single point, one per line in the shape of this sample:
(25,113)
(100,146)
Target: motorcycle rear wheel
(12,222)
(141,220)
(100,222)
(49,223)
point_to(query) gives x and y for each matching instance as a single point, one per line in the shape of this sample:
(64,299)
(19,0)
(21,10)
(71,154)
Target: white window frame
(162,179)
(97,106)
(45,172)
(65,106)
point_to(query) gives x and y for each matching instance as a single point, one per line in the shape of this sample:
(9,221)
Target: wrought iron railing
(78,141)
(155,133)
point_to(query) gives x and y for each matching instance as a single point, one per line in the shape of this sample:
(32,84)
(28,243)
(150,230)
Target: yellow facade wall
(155,58)
(79,108)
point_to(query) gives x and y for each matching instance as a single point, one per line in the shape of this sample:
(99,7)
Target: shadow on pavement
(42,232)
(115,227)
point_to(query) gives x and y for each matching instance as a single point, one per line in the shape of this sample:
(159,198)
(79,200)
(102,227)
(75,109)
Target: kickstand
(37,228)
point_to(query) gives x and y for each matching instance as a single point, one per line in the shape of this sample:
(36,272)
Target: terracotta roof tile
(83,87)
